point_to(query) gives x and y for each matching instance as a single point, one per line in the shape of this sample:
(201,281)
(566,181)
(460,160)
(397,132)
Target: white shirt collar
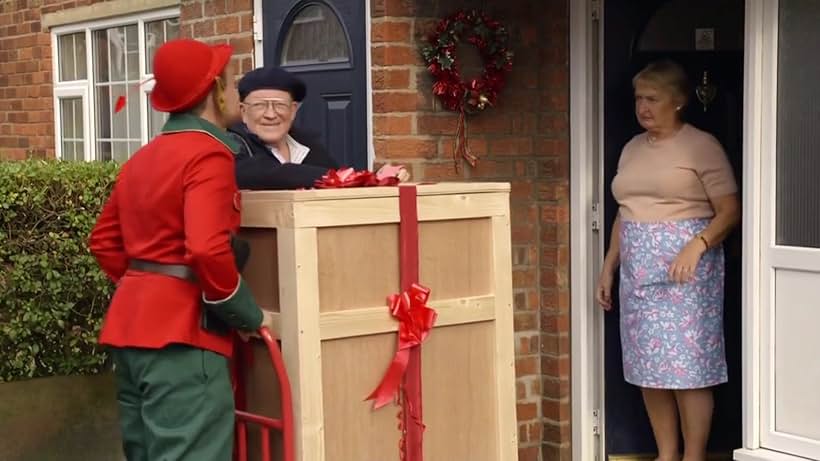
(298,152)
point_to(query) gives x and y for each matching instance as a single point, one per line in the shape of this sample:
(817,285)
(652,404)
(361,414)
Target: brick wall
(221,21)
(524,140)
(26,104)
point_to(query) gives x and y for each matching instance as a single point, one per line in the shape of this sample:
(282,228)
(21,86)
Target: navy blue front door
(324,43)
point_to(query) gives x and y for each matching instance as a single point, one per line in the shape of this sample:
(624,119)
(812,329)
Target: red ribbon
(416,320)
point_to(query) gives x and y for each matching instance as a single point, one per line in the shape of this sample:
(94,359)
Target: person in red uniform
(164,238)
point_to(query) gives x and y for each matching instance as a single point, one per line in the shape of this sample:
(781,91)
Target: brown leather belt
(180,271)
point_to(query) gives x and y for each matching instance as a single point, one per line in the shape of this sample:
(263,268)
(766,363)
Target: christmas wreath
(439,53)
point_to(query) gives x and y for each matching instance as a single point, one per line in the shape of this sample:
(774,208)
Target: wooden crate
(326,260)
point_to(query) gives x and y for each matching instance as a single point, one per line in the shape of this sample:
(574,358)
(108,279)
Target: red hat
(184,71)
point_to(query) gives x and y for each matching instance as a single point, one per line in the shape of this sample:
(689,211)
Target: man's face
(269,114)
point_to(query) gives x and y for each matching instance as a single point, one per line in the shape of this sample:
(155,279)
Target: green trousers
(175,404)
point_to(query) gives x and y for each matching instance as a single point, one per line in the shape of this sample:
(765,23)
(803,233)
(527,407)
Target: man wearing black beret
(273,155)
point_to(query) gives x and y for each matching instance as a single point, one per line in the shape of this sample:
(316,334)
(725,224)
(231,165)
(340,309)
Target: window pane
(132,53)
(67,117)
(79,56)
(71,127)
(119,120)
(798,110)
(315,36)
(104,151)
(120,151)
(66,56)
(116,53)
(156,120)
(104,109)
(133,112)
(101,56)
(157,33)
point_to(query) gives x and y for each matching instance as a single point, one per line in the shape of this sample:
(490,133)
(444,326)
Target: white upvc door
(789,271)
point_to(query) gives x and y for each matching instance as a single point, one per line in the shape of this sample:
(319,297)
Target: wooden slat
(301,346)
(504,340)
(444,188)
(374,320)
(333,212)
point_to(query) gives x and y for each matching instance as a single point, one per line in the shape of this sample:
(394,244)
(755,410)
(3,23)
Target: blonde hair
(666,75)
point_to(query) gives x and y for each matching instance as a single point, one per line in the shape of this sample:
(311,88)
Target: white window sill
(762,454)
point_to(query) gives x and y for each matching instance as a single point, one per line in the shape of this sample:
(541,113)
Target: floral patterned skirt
(671,333)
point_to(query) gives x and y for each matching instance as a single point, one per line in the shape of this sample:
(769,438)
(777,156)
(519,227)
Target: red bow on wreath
(490,38)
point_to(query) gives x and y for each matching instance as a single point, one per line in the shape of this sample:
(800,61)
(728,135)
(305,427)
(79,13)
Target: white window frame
(85,88)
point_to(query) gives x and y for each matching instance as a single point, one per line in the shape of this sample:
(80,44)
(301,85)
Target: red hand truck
(266,424)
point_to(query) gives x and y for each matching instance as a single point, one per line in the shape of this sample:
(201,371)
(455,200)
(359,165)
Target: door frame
(586,186)
(586,239)
(259,61)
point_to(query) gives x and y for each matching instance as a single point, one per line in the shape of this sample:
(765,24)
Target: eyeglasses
(260,107)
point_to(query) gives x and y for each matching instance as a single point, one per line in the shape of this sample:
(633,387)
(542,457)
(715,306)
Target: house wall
(524,141)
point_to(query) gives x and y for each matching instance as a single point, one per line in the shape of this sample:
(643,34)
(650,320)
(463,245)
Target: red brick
(405,8)
(190,10)
(556,388)
(524,277)
(392,124)
(394,102)
(524,321)
(526,366)
(556,410)
(555,367)
(204,28)
(555,322)
(441,171)
(555,344)
(493,169)
(238,6)
(514,146)
(530,453)
(389,79)
(390,31)
(227,25)
(405,147)
(394,55)
(527,411)
(213,8)
(551,452)
(476,146)
(437,124)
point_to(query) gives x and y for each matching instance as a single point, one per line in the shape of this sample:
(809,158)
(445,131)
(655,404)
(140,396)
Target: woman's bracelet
(705,242)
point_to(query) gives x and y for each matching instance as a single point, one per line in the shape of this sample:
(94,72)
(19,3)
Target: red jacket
(175,202)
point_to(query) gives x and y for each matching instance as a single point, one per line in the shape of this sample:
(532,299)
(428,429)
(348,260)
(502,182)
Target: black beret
(272,78)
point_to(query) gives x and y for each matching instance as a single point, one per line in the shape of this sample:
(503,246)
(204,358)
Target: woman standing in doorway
(677,202)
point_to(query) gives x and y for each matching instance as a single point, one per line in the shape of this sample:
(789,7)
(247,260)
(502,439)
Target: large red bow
(416,320)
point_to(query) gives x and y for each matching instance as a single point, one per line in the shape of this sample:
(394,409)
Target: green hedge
(53,293)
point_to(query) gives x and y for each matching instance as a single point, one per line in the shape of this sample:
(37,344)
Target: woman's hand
(603,292)
(683,268)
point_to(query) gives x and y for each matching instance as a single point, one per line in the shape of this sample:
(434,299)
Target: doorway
(324,43)
(705,37)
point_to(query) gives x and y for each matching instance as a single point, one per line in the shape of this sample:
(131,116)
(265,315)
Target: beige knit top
(673,178)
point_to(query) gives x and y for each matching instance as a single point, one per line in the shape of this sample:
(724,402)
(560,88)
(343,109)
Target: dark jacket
(258,169)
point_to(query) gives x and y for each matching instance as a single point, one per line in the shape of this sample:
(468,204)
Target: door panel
(637,32)
(323,42)
(790,233)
